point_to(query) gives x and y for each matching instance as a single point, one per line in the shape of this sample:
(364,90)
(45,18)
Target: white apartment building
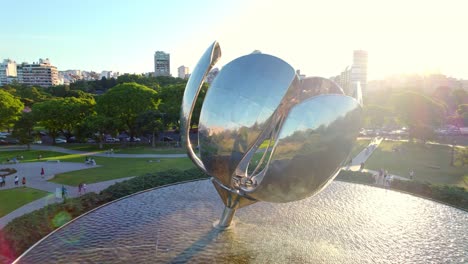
(183,72)
(8,72)
(41,73)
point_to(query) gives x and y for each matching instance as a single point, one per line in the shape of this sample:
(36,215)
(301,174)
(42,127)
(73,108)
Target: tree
(462,112)
(377,116)
(125,102)
(23,129)
(62,114)
(418,112)
(10,109)
(96,126)
(171,102)
(150,121)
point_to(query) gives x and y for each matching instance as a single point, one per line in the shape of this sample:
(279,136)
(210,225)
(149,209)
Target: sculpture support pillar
(226,218)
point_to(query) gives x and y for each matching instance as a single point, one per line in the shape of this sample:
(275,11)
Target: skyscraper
(162,64)
(359,69)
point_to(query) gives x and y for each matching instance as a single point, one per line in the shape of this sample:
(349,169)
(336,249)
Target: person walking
(1,181)
(42,173)
(23,181)
(64,193)
(411,174)
(16,180)
(83,187)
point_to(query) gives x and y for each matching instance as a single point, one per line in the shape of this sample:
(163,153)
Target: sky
(317,37)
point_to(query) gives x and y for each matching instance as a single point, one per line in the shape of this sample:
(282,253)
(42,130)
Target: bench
(58,161)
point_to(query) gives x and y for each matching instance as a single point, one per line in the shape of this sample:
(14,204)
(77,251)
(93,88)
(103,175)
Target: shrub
(8,171)
(355,176)
(453,195)
(149,181)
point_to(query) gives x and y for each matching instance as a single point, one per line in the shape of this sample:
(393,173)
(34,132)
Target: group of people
(90,161)
(383,178)
(82,188)
(3,181)
(14,159)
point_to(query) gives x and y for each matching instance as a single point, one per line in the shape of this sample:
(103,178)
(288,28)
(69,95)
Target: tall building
(41,73)
(162,64)
(183,72)
(359,69)
(357,73)
(344,80)
(8,71)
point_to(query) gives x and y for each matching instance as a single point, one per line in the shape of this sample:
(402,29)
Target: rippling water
(346,223)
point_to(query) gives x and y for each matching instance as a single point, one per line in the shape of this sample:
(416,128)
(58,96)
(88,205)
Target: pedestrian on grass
(16,180)
(23,181)
(362,166)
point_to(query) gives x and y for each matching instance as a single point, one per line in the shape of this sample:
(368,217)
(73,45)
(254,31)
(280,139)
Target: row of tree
(417,110)
(128,106)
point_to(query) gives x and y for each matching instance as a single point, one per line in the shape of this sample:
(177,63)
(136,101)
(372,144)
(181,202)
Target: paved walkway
(32,172)
(364,155)
(93,153)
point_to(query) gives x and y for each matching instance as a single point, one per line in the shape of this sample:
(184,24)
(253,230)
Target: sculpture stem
(226,218)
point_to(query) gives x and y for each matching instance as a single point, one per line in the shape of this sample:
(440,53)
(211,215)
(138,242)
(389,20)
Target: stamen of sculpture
(264,134)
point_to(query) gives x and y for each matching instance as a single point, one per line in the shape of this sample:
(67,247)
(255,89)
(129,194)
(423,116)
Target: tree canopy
(10,109)
(125,102)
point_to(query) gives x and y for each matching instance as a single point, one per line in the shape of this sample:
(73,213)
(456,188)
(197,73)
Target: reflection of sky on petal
(243,89)
(318,111)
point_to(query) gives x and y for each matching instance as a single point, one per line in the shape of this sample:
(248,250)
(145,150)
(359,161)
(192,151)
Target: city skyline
(318,38)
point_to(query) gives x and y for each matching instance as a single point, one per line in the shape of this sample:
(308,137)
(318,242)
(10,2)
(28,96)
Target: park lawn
(115,168)
(431,163)
(28,155)
(135,149)
(13,199)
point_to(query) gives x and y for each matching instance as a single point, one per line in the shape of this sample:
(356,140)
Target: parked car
(135,139)
(60,140)
(112,140)
(90,140)
(168,139)
(37,142)
(3,142)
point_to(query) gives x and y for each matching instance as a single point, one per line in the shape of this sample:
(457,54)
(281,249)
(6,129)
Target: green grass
(115,168)
(119,149)
(13,199)
(28,155)
(430,163)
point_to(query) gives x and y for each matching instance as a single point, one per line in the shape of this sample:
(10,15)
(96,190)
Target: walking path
(93,153)
(362,158)
(32,172)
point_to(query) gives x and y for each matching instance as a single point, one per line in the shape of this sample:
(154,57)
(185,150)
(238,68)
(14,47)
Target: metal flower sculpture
(266,135)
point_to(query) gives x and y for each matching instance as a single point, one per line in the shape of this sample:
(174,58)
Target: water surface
(346,223)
